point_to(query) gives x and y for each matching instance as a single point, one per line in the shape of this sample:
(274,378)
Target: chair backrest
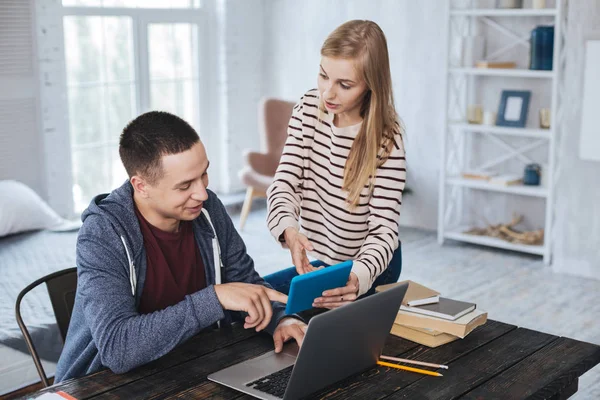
(274,116)
(61,286)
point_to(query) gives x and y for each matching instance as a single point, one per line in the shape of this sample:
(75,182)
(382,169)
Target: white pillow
(21,209)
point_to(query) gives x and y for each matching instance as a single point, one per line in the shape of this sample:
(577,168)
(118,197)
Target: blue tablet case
(305,288)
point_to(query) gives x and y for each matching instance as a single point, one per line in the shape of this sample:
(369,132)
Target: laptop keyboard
(273,384)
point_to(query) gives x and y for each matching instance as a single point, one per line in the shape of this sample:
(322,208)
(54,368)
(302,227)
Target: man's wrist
(290,320)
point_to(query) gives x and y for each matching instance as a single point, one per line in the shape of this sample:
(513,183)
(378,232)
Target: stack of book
(426,318)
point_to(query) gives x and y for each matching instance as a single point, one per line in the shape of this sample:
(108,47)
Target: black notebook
(445,308)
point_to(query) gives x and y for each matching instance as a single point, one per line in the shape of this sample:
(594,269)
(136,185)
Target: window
(173,65)
(120,62)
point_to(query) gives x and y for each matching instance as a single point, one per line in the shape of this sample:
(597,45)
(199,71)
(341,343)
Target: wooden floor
(512,287)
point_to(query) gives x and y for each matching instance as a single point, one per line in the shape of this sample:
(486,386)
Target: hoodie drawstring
(216,250)
(132,276)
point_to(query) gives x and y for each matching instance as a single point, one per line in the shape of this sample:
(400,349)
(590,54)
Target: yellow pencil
(417,370)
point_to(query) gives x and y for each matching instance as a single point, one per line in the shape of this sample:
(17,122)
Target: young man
(159,259)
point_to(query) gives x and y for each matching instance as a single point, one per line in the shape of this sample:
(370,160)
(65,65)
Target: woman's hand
(298,244)
(341,296)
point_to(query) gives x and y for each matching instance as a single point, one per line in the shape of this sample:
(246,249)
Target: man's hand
(289,328)
(253,299)
(341,296)
(298,244)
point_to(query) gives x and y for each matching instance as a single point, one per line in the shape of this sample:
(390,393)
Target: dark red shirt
(174,266)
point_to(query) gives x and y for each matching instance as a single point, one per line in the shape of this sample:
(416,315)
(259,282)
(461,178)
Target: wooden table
(496,361)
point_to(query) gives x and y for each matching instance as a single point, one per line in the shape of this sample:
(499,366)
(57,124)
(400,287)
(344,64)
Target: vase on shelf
(542,48)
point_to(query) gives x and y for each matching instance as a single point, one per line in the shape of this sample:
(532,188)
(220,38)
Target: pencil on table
(404,360)
(410,369)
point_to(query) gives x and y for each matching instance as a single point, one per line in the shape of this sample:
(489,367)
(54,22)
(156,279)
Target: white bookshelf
(464,86)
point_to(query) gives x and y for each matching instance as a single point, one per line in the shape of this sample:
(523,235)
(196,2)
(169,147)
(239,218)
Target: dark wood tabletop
(496,361)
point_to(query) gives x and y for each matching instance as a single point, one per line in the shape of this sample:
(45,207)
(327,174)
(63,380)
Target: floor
(512,287)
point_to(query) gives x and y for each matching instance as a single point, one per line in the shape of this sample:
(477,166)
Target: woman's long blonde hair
(364,42)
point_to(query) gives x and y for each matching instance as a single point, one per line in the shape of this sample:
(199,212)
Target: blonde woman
(338,188)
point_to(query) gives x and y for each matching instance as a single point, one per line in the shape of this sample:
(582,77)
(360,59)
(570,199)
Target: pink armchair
(260,167)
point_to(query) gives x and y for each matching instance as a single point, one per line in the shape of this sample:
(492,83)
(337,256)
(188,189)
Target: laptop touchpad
(291,348)
(269,363)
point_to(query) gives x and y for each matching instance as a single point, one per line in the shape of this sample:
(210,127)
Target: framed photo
(514,106)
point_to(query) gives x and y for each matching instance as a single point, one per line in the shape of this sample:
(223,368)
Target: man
(159,259)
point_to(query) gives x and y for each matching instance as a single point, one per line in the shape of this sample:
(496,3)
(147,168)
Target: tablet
(304,289)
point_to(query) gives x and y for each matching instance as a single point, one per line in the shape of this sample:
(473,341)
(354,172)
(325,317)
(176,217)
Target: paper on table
(54,396)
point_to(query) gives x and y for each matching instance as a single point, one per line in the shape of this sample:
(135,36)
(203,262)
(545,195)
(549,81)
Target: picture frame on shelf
(513,109)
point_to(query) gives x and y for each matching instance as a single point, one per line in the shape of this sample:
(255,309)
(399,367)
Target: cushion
(21,209)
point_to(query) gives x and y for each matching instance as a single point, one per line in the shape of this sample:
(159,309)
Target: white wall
(240,84)
(577,212)
(416,34)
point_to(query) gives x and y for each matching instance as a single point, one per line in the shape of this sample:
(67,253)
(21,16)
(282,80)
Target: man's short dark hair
(149,137)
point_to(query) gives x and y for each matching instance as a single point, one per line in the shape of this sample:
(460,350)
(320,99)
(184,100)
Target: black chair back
(61,286)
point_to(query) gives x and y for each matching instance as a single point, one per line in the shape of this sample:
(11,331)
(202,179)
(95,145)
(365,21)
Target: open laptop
(338,343)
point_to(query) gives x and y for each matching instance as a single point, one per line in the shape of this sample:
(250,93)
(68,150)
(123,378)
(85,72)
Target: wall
(240,73)
(577,207)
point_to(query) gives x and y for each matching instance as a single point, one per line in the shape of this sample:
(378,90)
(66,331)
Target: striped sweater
(308,187)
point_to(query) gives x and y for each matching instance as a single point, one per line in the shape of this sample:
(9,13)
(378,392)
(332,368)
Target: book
(507,180)
(479,175)
(414,293)
(460,327)
(446,309)
(417,336)
(495,64)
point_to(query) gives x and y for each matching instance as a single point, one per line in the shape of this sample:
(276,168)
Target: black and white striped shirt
(308,187)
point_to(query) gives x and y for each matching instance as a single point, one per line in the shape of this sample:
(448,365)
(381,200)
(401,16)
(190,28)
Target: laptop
(338,343)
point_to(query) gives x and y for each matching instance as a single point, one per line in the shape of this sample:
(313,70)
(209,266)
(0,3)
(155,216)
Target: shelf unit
(462,86)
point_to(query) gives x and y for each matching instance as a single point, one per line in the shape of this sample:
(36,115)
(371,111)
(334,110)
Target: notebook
(446,309)
(416,293)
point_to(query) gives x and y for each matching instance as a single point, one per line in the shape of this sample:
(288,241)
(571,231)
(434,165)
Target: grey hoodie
(106,329)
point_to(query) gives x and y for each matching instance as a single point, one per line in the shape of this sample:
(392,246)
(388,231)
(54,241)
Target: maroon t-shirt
(174,266)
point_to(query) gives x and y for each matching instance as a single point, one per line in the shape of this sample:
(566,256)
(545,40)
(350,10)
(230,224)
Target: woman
(343,169)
